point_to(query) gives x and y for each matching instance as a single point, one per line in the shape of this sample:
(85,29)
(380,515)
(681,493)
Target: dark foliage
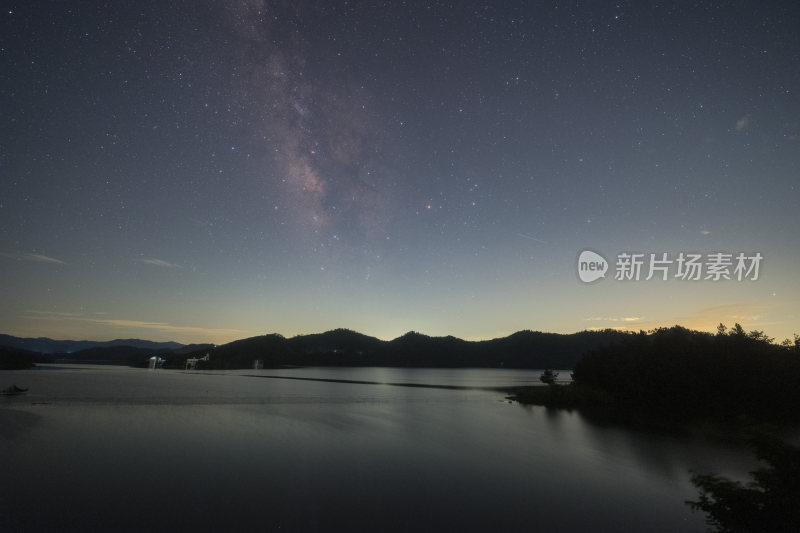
(535,349)
(548,377)
(272,349)
(592,402)
(15,359)
(117,355)
(769,503)
(675,373)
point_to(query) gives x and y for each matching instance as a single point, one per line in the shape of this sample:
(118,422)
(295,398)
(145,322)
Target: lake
(100,448)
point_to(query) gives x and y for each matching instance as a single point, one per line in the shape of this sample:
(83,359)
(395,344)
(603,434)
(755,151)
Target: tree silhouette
(549,377)
(769,503)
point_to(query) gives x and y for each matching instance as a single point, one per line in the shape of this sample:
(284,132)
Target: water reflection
(15,422)
(133,450)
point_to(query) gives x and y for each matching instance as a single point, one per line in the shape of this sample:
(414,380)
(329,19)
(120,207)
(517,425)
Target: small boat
(13,390)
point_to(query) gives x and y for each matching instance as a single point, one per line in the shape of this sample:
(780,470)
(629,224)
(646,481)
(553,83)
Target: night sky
(203,172)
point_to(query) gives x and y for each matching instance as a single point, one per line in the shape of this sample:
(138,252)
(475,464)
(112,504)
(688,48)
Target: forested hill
(17,352)
(342,347)
(676,373)
(46,346)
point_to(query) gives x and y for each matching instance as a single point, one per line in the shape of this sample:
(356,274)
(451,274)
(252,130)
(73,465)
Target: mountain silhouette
(45,345)
(343,347)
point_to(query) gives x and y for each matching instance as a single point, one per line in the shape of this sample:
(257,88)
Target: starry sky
(207,171)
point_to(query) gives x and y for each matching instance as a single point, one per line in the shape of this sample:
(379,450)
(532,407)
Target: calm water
(110,449)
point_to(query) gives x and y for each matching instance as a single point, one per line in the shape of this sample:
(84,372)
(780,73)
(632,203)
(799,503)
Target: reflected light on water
(128,449)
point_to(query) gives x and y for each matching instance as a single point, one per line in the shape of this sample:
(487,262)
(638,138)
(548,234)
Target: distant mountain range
(342,347)
(339,347)
(45,345)
(16,352)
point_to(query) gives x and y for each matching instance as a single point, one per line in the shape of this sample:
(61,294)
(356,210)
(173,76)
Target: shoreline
(599,407)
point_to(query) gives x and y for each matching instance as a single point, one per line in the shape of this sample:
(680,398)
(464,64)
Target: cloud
(52,315)
(37,258)
(614,319)
(135,324)
(749,315)
(737,312)
(161,263)
(623,323)
(163,326)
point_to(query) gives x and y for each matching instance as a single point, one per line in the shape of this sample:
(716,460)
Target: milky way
(323,143)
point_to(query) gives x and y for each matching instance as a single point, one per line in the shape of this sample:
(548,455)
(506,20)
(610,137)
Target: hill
(16,358)
(123,355)
(677,375)
(342,347)
(134,352)
(45,345)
